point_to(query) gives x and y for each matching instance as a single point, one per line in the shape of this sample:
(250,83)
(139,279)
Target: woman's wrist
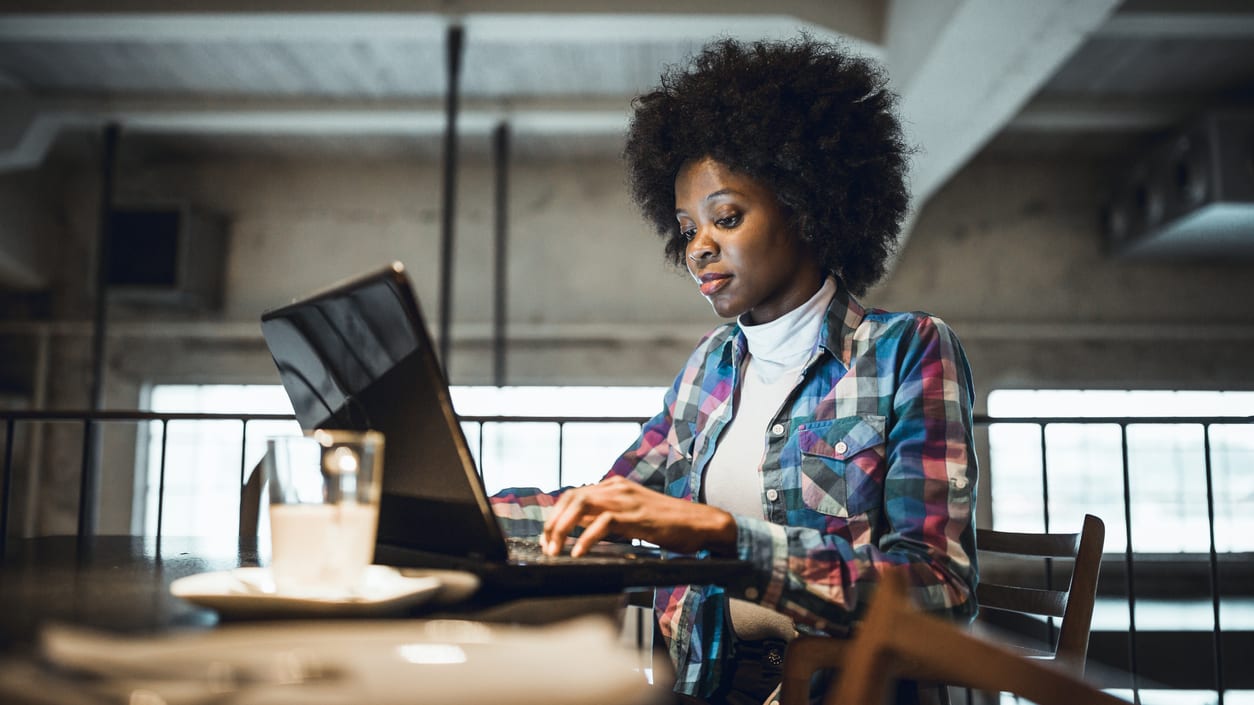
(722,532)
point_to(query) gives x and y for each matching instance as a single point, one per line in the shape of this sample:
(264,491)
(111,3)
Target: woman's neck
(786,342)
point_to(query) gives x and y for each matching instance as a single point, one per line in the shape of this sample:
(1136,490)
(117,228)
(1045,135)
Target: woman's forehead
(707,179)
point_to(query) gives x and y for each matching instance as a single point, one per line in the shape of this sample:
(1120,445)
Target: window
(203,458)
(1166,466)
(547,455)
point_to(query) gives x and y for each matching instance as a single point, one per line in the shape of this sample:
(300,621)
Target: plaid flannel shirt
(869,466)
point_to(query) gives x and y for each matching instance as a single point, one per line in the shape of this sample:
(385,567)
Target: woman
(824,442)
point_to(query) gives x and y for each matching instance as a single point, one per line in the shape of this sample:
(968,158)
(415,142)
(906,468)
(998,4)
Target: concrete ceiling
(267,77)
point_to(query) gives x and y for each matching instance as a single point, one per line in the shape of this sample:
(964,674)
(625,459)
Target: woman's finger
(559,508)
(560,523)
(593,533)
(559,526)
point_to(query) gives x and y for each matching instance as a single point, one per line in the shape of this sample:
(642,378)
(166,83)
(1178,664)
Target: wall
(1008,252)
(24,260)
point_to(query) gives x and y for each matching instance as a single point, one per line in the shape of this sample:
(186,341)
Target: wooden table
(116,583)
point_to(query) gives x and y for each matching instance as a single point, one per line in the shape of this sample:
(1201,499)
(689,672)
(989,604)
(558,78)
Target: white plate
(250,592)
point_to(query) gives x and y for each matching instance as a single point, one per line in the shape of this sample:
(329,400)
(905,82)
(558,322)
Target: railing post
(161,482)
(243,462)
(1214,565)
(483,429)
(1050,628)
(1131,583)
(561,447)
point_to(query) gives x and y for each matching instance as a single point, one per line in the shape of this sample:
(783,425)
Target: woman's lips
(711,283)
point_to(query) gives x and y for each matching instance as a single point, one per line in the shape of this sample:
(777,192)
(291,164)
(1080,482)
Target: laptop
(359,356)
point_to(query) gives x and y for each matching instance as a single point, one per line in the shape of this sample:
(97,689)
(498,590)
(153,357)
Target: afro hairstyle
(805,118)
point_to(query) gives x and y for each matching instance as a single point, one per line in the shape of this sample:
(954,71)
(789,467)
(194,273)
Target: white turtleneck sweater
(778,351)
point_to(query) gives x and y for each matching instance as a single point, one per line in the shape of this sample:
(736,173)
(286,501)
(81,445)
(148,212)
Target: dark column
(450,191)
(89,480)
(500,154)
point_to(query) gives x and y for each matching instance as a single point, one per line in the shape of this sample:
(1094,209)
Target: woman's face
(741,248)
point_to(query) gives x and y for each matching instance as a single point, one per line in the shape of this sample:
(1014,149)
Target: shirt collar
(790,339)
(844,315)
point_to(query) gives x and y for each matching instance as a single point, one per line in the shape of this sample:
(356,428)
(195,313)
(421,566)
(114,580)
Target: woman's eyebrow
(710,197)
(722,192)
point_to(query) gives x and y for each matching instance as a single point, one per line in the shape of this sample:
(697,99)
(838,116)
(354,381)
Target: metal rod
(450,191)
(978,420)
(89,479)
(1214,565)
(1131,583)
(1044,479)
(134,415)
(482,430)
(4,493)
(500,152)
(243,460)
(1050,627)
(161,481)
(561,451)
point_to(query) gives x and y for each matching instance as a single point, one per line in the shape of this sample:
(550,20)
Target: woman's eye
(730,221)
(687,233)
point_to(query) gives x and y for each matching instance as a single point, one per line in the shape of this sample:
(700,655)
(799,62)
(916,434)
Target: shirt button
(772,494)
(777,429)
(840,447)
(751,593)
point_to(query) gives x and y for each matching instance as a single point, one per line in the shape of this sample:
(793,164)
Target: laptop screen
(358,356)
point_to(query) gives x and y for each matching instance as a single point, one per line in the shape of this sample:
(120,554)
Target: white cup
(324,509)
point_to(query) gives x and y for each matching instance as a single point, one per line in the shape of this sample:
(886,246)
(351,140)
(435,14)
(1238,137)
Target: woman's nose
(701,247)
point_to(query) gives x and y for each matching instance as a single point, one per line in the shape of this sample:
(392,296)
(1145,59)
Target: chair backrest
(895,634)
(1072,605)
(250,502)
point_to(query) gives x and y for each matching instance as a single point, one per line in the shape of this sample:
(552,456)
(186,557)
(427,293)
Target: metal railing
(12,418)
(1129,555)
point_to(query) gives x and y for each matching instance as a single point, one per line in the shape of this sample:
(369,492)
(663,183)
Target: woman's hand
(622,507)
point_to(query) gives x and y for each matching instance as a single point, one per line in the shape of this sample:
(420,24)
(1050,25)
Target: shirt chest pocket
(840,464)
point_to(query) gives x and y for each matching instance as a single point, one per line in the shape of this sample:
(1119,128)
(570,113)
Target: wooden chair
(895,637)
(250,503)
(1073,606)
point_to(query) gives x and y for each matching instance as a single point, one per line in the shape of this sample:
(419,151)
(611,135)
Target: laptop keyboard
(528,550)
(524,549)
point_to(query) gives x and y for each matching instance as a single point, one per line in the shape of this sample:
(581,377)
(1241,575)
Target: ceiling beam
(982,65)
(28,127)
(1198,19)
(860,21)
(335,117)
(1108,115)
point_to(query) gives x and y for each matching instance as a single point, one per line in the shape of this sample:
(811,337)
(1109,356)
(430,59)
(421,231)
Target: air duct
(1191,196)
